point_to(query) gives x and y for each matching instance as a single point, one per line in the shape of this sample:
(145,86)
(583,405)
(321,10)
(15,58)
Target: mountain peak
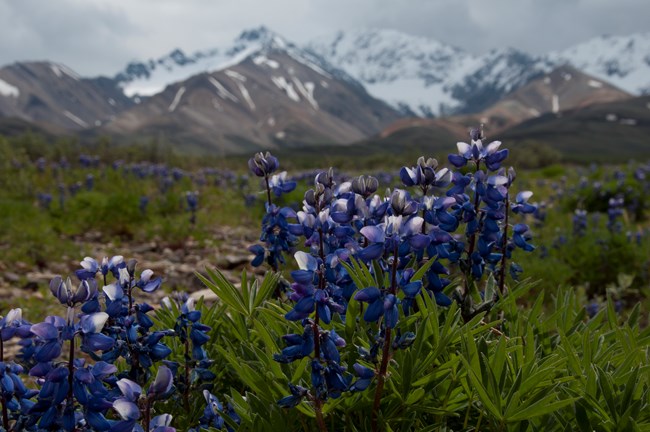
(261,33)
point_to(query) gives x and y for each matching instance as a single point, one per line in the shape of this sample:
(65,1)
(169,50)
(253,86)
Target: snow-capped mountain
(262,91)
(152,76)
(423,76)
(621,60)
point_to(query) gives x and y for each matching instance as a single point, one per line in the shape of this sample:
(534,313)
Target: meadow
(447,293)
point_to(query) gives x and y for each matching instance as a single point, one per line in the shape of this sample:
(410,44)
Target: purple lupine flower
(280,185)
(263,165)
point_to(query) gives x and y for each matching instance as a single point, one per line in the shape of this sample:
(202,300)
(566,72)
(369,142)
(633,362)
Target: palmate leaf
(225,291)
(245,300)
(476,382)
(543,406)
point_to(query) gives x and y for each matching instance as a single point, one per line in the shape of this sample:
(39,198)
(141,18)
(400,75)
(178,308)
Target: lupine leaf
(541,407)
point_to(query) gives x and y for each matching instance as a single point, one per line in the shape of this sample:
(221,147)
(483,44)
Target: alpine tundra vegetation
(373,311)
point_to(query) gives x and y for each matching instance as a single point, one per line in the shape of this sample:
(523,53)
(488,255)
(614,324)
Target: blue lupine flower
(365,377)
(146,284)
(424,175)
(379,304)
(297,395)
(521,203)
(192,200)
(92,338)
(162,384)
(212,413)
(520,237)
(280,185)
(276,235)
(63,291)
(161,423)
(263,164)
(13,324)
(476,152)
(391,233)
(298,346)
(403,341)
(364,185)
(126,406)
(89,269)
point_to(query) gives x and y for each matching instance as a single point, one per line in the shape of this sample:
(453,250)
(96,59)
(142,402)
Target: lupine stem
(318,404)
(70,398)
(147,413)
(186,390)
(130,294)
(472,238)
(504,245)
(268,190)
(385,356)
(3,400)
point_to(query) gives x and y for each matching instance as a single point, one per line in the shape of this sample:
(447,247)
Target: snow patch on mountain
(59,70)
(222,91)
(8,90)
(75,119)
(239,80)
(177,99)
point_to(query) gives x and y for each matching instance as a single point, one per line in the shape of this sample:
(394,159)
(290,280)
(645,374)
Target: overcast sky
(101,36)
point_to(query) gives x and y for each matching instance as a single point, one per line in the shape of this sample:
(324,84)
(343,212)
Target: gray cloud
(101,36)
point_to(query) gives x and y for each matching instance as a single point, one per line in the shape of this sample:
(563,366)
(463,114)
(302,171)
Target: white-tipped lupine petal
(93,323)
(146,275)
(497,180)
(89,264)
(131,390)
(523,196)
(14,315)
(124,276)
(162,420)
(303,259)
(463,148)
(126,409)
(492,147)
(113,291)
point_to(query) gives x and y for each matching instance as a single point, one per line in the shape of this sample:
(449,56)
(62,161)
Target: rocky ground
(175,262)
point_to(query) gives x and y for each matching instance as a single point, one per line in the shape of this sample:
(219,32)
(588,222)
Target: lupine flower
(64,292)
(146,284)
(280,185)
(161,423)
(298,346)
(212,413)
(126,406)
(476,152)
(365,377)
(519,237)
(379,304)
(297,395)
(13,324)
(521,203)
(424,174)
(364,186)
(309,298)
(162,384)
(263,165)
